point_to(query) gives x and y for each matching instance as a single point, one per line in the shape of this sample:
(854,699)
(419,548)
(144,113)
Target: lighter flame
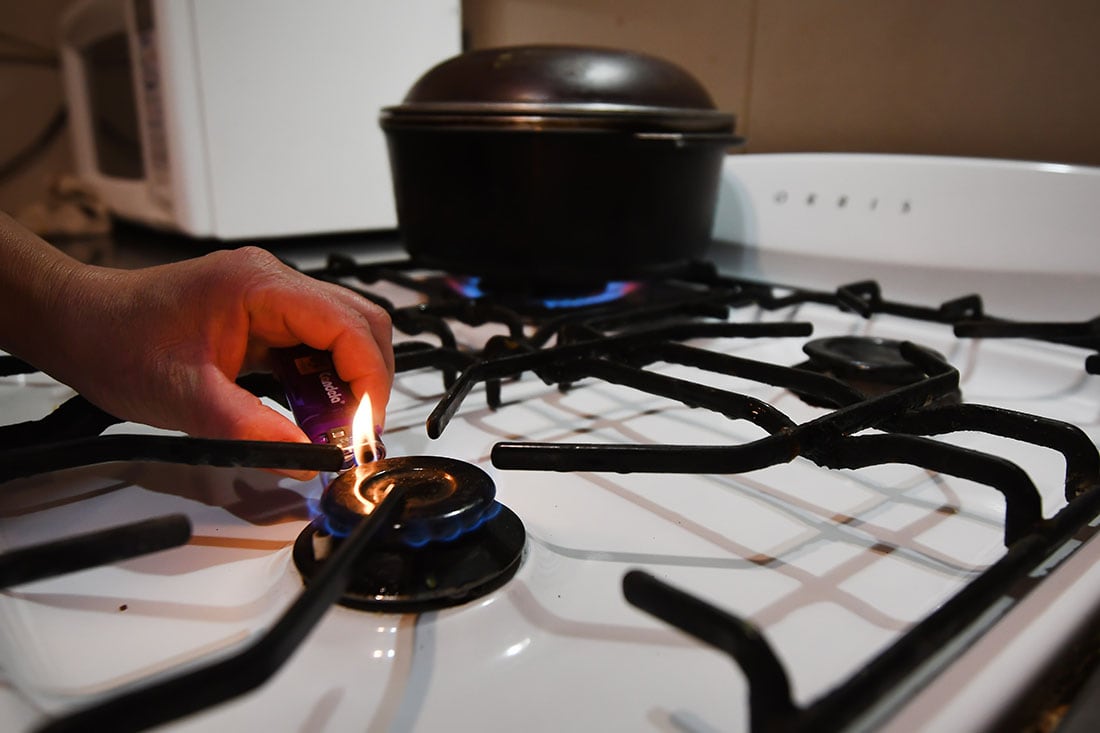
(369,505)
(362,432)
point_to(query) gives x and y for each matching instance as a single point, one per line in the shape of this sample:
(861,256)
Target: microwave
(234,119)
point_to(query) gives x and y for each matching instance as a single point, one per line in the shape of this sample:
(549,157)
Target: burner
(452,543)
(863,358)
(541,297)
(868,364)
(448,498)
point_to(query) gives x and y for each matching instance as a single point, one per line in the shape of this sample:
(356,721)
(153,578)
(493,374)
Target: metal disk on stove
(863,357)
(868,364)
(452,543)
(447,498)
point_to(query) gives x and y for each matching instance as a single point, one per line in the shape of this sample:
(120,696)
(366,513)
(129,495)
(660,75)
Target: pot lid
(559,86)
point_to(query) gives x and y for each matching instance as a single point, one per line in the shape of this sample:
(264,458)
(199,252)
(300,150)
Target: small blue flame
(471,288)
(448,531)
(613,291)
(468,286)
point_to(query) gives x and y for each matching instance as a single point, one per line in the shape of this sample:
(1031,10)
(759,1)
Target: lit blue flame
(449,531)
(471,288)
(417,535)
(468,286)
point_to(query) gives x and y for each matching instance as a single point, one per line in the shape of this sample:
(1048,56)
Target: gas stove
(843,476)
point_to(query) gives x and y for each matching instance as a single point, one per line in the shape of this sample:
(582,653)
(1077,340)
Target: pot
(556,164)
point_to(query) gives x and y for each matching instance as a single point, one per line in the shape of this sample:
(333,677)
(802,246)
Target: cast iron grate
(616,342)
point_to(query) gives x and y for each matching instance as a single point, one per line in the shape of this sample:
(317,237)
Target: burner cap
(452,543)
(866,358)
(447,498)
(870,365)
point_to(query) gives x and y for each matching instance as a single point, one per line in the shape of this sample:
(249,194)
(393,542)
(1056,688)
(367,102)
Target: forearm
(33,280)
(163,345)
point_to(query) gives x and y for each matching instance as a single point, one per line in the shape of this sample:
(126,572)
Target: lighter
(323,404)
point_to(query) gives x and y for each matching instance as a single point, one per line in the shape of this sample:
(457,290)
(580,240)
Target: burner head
(447,499)
(451,543)
(863,358)
(868,364)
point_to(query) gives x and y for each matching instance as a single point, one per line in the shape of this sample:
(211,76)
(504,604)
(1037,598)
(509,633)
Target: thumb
(234,413)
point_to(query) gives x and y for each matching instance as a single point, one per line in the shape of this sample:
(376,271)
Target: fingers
(291,308)
(233,413)
(367,364)
(198,322)
(345,323)
(360,341)
(359,365)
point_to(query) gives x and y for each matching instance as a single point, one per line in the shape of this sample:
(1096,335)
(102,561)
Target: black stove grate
(615,342)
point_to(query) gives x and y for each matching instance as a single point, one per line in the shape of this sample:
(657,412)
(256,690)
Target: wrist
(32,283)
(83,316)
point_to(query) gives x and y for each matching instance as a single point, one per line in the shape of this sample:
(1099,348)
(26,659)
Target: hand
(163,345)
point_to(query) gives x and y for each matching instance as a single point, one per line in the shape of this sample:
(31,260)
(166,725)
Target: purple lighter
(323,404)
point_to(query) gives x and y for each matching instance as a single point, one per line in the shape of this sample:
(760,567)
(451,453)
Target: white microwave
(245,118)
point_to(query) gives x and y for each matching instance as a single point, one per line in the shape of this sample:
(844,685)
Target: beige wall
(995,78)
(1000,78)
(30,97)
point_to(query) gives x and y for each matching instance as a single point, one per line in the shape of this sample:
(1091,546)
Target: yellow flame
(370,503)
(362,432)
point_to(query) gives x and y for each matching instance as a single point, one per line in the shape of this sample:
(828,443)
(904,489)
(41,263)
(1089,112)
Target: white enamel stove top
(831,565)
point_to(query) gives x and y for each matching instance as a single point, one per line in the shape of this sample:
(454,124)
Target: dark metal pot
(556,164)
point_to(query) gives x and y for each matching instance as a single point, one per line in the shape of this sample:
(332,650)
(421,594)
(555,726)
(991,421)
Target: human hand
(163,345)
